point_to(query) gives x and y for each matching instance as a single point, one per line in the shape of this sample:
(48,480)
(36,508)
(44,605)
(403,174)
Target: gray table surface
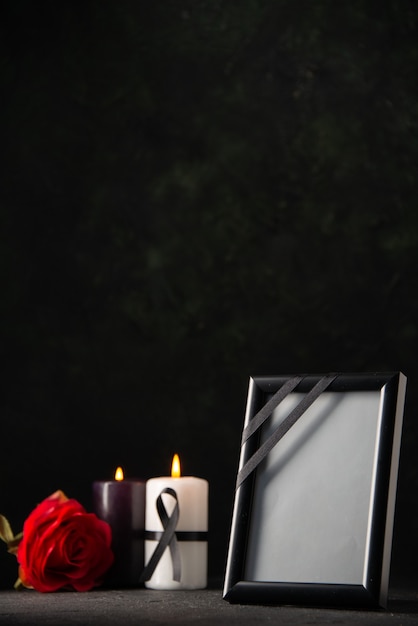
(205,607)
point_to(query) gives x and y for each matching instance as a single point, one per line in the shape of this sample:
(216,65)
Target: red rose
(63,546)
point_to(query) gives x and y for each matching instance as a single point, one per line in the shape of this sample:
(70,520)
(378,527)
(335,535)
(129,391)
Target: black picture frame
(313,521)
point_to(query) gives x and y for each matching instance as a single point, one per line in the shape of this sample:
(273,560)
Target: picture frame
(316,487)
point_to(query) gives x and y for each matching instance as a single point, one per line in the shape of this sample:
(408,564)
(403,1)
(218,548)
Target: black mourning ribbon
(254,461)
(168,538)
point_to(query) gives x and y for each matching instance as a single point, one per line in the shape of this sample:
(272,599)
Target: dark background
(192,193)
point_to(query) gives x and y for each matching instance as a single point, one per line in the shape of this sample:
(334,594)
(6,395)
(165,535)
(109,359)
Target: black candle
(121,503)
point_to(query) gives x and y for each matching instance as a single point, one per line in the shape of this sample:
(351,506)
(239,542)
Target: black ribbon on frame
(260,417)
(168,538)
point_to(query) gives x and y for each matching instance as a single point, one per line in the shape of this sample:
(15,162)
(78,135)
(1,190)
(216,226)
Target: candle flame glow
(119,474)
(175,467)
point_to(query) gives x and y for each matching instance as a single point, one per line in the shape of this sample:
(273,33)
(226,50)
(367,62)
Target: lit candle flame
(175,467)
(119,474)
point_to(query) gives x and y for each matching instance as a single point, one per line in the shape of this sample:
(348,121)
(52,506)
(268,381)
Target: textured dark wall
(192,193)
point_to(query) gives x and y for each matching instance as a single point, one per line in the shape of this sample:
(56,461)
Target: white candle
(190,494)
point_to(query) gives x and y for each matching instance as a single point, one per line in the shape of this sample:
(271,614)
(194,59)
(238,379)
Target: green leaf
(5,530)
(6,534)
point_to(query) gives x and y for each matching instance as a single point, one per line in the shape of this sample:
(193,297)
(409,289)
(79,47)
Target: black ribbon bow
(168,538)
